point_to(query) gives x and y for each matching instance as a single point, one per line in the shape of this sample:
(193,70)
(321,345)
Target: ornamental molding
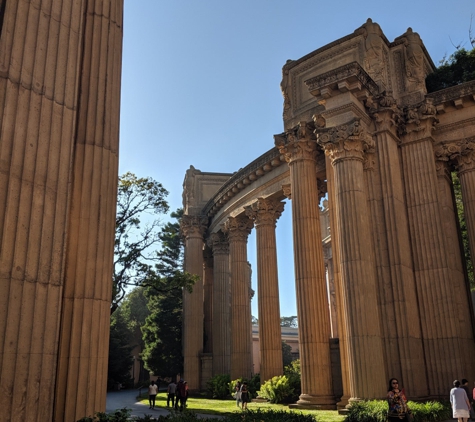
(460,154)
(193,226)
(218,243)
(287,191)
(237,228)
(298,143)
(349,77)
(265,211)
(385,112)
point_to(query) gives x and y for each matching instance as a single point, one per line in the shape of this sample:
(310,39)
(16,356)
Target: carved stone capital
(265,211)
(287,191)
(193,226)
(297,143)
(237,228)
(218,243)
(207,257)
(421,120)
(385,113)
(347,141)
(460,153)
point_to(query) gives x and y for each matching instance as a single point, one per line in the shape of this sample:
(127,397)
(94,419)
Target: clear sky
(201,81)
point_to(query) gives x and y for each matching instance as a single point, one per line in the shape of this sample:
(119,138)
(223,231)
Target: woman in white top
(460,403)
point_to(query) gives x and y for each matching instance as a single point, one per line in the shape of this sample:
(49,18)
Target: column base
(343,403)
(307,401)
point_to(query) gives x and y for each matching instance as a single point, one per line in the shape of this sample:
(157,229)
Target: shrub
(377,411)
(292,372)
(277,390)
(218,386)
(269,416)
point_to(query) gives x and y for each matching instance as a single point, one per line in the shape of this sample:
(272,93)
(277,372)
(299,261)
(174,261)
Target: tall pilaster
(404,355)
(193,228)
(238,229)
(345,145)
(299,148)
(59,121)
(221,304)
(435,295)
(265,213)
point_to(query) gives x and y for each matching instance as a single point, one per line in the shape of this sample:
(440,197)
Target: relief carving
(414,60)
(460,153)
(284,87)
(193,225)
(374,62)
(218,243)
(385,112)
(265,211)
(421,118)
(297,143)
(287,191)
(237,228)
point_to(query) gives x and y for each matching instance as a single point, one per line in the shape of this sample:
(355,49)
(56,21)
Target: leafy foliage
(377,411)
(277,390)
(286,354)
(218,386)
(253,385)
(290,321)
(457,69)
(292,372)
(269,416)
(133,248)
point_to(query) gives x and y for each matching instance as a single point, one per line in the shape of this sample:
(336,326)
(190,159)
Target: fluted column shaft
(193,228)
(208,281)
(404,358)
(265,213)
(221,304)
(345,146)
(299,149)
(435,295)
(238,230)
(56,149)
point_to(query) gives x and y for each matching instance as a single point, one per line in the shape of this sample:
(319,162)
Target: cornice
(453,93)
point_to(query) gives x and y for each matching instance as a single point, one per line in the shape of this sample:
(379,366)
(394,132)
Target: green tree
(290,321)
(120,360)
(134,309)
(134,252)
(162,332)
(286,354)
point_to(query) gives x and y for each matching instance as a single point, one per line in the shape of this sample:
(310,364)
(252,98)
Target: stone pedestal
(265,213)
(237,230)
(221,304)
(193,228)
(345,145)
(299,148)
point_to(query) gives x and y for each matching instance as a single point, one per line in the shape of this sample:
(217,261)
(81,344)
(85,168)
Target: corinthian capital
(237,228)
(218,243)
(297,143)
(265,211)
(460,153)
(193,225)
(387,116)
(347,141)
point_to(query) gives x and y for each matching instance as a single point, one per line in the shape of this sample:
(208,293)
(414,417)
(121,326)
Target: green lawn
(216,407)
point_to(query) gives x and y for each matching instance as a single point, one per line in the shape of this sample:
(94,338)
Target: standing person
(183,394)
(397,402)
(237,393)
(152,394)
(178,394)
(171,390)
(460,403)
(244,395)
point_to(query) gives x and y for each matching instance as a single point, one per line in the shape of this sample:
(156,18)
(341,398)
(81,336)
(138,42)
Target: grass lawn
(220,407)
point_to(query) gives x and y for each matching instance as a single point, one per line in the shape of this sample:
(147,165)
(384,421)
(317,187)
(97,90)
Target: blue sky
(200,81)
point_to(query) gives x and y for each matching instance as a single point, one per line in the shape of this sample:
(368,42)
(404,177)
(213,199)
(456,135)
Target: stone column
(265,213)
(208,282)
(50,156)
(221,304)
(345,145)
(435,294)
(404,357)
(193,228)
(238,229)
(299,148)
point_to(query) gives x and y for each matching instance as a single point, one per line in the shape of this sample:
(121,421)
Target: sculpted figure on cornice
(265,211)
(237,228)
(193,225)
(189,186)
(218,243)
(297,143)
(414,56)
(460,153)
(284,87)
(374,62)
(345,141)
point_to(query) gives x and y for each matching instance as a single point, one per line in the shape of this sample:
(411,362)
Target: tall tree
(290,321)
(162,332)
(135,241)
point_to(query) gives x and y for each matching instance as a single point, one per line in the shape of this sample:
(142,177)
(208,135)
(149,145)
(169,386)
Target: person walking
(183,395)
(460,403)
(237,393)
(244,395)
(178,394)
(171,390)
(152,394)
